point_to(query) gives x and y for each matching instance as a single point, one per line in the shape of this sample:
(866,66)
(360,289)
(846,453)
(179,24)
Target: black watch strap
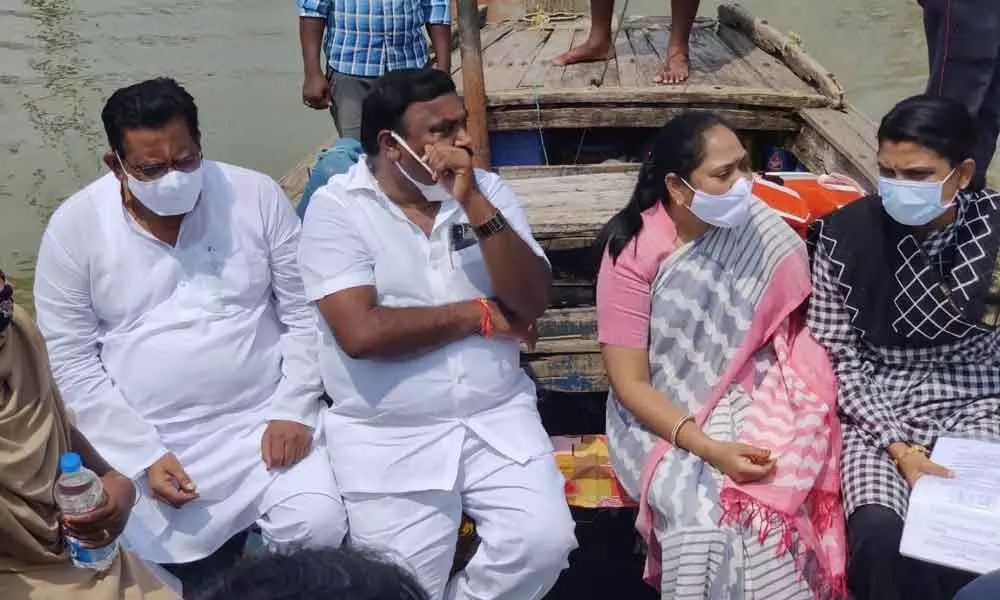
(493,226)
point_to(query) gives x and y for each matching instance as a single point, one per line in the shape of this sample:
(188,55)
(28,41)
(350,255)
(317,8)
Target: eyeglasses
(150,172)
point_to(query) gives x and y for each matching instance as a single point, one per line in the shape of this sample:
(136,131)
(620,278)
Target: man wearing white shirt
(174,314)
(432,413)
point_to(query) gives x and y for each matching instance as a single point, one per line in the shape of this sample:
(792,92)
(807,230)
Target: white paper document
(956,522)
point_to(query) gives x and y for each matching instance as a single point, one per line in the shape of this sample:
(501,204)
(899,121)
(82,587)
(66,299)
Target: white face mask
(175,193)
(725,210)
(433,192)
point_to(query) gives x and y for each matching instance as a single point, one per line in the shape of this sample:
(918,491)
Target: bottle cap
(70,462)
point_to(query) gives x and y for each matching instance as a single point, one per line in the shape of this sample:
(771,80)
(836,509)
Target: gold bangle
(677,429)
(911,449)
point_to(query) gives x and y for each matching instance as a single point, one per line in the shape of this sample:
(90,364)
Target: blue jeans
(335,160)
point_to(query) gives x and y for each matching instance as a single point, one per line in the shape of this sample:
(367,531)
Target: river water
(60,59)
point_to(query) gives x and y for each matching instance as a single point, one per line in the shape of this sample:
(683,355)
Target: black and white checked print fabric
(890,394)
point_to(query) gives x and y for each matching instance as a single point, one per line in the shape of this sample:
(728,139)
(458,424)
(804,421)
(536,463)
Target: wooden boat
(591,123)
(570,140)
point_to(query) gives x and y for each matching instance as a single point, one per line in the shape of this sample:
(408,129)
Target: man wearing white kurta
(173,309)
(432,414)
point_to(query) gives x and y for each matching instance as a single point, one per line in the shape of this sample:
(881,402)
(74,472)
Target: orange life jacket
(801,198)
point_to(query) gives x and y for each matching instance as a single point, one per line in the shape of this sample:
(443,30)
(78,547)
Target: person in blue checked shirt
(362,40)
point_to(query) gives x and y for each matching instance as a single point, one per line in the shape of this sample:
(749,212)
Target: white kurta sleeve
(70,327)
(333,255)
(300,388)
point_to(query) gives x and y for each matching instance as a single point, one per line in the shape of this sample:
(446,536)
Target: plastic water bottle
(79,490)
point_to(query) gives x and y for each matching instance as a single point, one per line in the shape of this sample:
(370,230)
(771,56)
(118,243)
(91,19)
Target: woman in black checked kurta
(910,315)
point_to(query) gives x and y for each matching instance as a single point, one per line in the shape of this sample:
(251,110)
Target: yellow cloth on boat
(34,433)
(590,479)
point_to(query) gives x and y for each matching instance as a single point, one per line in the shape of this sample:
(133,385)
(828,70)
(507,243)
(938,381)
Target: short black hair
(937,123)
(329,574)
(149,104)
(392,94)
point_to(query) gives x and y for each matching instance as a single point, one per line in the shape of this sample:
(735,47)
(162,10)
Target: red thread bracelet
(486,320)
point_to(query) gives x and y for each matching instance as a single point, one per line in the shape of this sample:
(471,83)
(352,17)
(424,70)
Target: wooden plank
(658,38)
(541,187)
(862,124)
(556,244)
(507,61)
(293,182)
(563,322)
(663,22)
(574,205)
(563,346)
(716,61)
(542,71)
(582,117)
(626,69)
(763,97)
(569,373)
(773,41)
(583,75)
(528,171)
(708,61)
(828,142)
(490,35)
(771,70)
(647,60)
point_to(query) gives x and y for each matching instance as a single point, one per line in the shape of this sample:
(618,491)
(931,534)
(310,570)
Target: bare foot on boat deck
(676,69)
(585,52)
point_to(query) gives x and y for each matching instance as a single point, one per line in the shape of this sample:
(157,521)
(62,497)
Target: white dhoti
(521,515)
(302,507)
(295,507)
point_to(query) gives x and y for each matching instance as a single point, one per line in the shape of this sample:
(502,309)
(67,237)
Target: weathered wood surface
(838,141)
(754,89)
(470,48)
(624,115)
(781,45)
(572,205)
(568,322)
(691,94)
(295,179)
(529,171)
(728,68)
(771,70)
(566,372)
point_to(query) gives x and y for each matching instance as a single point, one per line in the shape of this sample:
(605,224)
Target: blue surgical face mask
(914,203)
(723,210)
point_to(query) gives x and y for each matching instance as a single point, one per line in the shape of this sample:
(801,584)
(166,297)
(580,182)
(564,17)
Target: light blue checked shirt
(367,38)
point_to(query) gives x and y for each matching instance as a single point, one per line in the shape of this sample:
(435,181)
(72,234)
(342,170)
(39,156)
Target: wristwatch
(491,227)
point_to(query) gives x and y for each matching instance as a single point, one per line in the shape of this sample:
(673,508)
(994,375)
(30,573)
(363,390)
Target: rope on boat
(540,19)
(614,44)
(538,124)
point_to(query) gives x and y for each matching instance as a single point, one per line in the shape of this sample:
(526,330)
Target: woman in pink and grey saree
(721,420)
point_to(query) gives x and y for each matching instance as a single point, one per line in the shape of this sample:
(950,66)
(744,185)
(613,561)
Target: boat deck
(729,73)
